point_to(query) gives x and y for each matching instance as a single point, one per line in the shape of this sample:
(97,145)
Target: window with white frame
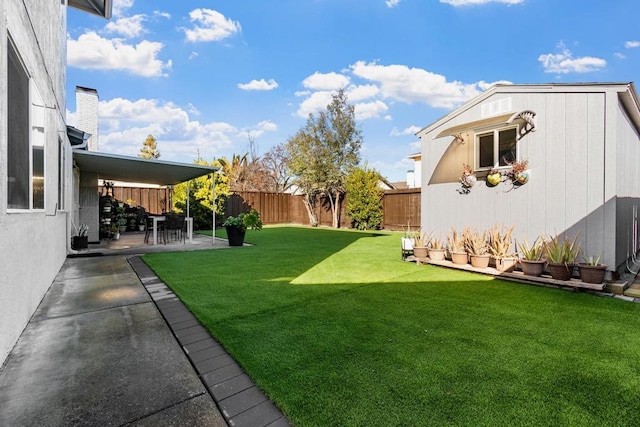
(496,148)
(26,137)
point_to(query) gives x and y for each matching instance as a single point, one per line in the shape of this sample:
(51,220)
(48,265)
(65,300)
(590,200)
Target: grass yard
(338,331)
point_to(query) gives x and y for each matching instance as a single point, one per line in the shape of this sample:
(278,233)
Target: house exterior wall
(573,185)
(33,243)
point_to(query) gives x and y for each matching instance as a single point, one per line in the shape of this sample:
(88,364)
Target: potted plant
(81,241)
(591,271)
(561,254)
(420,241)
(455,241)
(407,243)
(494,177)
(500,248)
(468,178)
(477,246)
(519,173)
(115,231)
(237,226)
(531,260)
(436,248)
(122,224)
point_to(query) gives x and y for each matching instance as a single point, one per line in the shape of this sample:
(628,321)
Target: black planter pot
(79,242)
(235,235)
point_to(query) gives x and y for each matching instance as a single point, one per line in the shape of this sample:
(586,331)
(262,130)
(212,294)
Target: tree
(201,195)
(364,198)
(275,164)
(149,148)
(324,151)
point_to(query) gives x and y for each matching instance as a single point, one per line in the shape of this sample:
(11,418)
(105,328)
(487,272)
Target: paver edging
(257,405)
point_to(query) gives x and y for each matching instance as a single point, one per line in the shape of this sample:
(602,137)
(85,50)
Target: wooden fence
(399,207)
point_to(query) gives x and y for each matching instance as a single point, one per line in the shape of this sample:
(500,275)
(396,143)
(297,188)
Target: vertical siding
(566,159)
(627,203)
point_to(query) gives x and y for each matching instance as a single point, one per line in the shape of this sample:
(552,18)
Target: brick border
(240,401)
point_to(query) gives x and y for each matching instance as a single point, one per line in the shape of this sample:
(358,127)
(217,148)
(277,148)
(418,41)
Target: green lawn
(338,331)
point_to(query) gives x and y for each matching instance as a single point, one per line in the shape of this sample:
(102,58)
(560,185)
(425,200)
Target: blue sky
(202,76)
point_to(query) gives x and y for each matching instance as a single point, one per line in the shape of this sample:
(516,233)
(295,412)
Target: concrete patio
(110,344)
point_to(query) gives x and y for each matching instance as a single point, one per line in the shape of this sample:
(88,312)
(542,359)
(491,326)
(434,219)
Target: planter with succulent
(237,226)
(420,242)
(122,224)
(531,261)
(519,173)
(477,245)
(500,248)
(437,250)
(468,178)
(81,241)
(455,241)
(561,255)
(494,177)
(115,232)
(591,271)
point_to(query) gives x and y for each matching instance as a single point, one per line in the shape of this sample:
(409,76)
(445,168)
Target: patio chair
(149,229)
(175,226)
(407,247)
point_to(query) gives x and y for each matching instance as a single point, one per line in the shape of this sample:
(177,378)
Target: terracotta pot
(480,261)
(592,273)
(560,271)
(506,264)
(420,251)
(459,257)
(436,254)
(532,268)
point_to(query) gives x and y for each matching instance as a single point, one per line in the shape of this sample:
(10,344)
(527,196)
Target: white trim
(496,147)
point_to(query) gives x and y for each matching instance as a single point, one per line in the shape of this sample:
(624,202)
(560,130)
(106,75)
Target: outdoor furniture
(152,225)
(407,247)
(175,226)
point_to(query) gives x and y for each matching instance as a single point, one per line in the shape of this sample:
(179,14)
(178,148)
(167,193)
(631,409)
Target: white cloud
(121,6)
(210,25)
(468,2)
(359,93)
(370,110)
(124,124)
(193,55)
(261,84)
(563,62)
(392,3)
(632,44)
(267,125)
(130,26)
(401,83)
(328,81)
(411,130)
(91,51)
(315,102)
(166,15)
(619,55)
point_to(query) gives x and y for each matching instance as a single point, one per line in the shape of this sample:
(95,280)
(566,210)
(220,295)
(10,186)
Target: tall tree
(275,164)
(364,198)
(324,151)
(149,148)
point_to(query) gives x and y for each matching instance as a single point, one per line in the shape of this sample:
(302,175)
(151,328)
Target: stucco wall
(33,244)
(566,192)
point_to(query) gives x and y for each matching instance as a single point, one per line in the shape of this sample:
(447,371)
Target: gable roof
(626,93)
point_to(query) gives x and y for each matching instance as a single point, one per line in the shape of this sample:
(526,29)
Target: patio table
(162,218)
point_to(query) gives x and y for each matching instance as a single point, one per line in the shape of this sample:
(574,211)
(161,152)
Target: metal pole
(188,194)
(213,191)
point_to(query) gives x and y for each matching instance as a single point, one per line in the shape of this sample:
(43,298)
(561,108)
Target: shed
(582,144)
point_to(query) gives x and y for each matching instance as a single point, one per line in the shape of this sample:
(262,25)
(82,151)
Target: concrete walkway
(99,352)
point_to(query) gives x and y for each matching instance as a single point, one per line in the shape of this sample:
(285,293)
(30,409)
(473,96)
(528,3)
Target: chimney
(87,114)
(411,181)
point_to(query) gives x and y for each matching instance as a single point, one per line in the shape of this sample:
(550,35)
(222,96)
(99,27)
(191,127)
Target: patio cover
(113,167)
(96,7)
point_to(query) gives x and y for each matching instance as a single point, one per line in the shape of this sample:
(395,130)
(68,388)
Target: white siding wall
(33,245)
(566,189)
(627,201)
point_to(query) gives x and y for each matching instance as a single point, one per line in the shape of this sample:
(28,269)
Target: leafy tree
(323,152)
(149,148)
(201,195)
(364,198)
